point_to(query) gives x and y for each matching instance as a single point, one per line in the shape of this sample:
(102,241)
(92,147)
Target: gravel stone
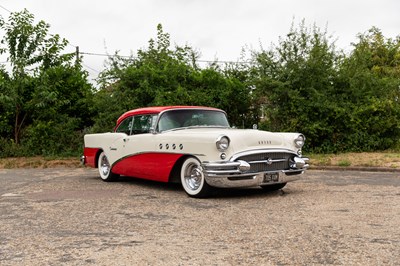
(70,217)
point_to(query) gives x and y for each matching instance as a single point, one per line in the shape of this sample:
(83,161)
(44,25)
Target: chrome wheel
(192,178)
(105,168)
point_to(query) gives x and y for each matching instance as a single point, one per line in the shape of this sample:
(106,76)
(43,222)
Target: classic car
(194,146)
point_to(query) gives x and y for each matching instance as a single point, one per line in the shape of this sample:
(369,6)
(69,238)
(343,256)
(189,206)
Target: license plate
(271,177)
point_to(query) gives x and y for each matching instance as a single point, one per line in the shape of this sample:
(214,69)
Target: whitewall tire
(104,167)
(192,179)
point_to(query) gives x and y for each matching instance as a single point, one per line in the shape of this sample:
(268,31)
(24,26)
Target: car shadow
(134,181)
(246,192)
(216,192)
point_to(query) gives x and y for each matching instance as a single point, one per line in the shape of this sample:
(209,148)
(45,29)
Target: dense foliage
(161,75)
(341,102)
(45,98)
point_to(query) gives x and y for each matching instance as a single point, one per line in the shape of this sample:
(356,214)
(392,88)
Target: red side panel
(153,166)
(90,156)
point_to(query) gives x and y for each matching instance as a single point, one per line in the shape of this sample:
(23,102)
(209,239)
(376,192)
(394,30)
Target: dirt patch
(74,194)
(362,159)
(70,217)
(38,162)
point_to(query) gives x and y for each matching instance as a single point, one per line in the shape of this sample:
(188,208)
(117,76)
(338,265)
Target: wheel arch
(96,161)
(175,174)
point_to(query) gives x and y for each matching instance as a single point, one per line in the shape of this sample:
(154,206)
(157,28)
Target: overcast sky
(216,28)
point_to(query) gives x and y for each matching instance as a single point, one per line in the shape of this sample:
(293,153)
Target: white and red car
(197,147)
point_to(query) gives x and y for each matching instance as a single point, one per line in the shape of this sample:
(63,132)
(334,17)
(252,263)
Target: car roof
(159,109)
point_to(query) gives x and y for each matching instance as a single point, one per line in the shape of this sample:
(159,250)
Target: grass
(344,163)
(39,162)
(389,159)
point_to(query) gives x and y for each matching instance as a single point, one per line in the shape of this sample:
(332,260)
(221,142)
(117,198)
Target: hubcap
(105,166)
(193,176)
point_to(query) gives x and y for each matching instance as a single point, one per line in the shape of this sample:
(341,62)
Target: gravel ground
(70,217)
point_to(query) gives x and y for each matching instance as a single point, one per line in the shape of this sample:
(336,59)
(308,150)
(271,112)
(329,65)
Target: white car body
(212,154)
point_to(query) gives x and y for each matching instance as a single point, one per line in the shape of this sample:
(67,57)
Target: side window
(125,126)
(168,121)
(143,123)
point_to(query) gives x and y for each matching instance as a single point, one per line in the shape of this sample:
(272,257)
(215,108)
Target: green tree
(164,75)
(369,86)
(29,48)
(157,75)
(62,102)
(341,103)
(45,87)
(294,83)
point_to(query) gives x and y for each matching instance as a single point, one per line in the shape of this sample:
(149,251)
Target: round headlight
(222,143)
(299,141)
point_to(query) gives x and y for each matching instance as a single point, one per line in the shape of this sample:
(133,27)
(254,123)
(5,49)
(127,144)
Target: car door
(137,148)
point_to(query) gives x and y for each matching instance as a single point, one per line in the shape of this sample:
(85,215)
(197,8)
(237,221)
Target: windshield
(191,118)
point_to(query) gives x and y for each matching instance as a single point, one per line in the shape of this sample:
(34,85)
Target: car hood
(240,139)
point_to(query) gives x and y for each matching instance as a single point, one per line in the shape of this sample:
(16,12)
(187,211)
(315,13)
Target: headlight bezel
(222,143)
(299,141)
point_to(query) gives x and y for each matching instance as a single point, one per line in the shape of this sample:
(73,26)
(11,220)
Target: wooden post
(77,55)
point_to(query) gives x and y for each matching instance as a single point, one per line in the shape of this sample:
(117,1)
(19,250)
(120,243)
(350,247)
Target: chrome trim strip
(221,164)
(159,152)
(237,173)
(227,174)
(252,152)
(224,172)
(268,161)
(252,180)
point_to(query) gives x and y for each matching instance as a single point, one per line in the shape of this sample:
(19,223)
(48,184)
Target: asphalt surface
(70,217)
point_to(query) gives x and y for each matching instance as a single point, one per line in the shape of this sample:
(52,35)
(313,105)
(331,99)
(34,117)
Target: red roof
(157,110)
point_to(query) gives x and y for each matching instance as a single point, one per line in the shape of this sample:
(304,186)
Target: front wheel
(273,187)
(105,169)
(192,179)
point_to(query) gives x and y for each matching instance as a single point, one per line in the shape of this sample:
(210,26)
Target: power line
(71,45)
(95,54)
(200,61)
(125,56)
(104,55)
(95,70)
(224,62)
(5,9)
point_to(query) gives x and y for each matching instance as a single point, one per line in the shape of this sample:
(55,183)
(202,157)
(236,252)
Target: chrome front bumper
(236,174)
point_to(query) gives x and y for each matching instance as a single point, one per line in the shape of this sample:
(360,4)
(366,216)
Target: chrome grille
(259,161)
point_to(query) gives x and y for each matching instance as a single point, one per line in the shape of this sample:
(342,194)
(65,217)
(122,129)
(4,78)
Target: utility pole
(77,55)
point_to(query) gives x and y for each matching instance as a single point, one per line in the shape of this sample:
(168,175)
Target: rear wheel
(105,169)
(192,179)
(273,187)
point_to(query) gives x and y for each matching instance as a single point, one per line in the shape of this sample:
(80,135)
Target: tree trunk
(18,124)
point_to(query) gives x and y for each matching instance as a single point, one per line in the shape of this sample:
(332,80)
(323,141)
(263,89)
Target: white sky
(216,28)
